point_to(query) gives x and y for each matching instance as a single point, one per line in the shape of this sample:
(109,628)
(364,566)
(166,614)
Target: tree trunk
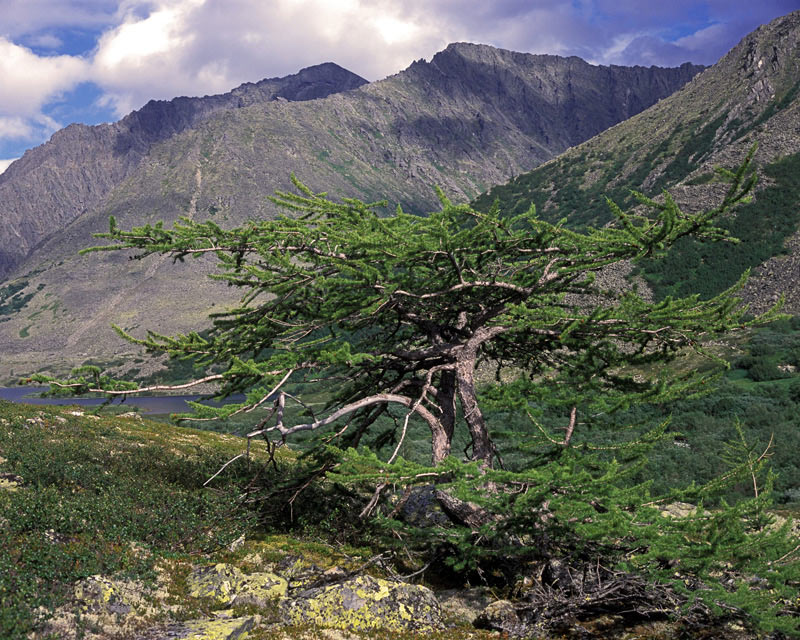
(446,400)
(482,448)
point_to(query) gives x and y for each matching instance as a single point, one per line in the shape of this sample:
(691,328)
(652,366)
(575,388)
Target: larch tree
(402,310)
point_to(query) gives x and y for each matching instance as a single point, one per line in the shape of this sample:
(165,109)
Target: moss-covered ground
(104,495)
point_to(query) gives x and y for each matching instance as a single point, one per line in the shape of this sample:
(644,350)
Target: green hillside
(675,145)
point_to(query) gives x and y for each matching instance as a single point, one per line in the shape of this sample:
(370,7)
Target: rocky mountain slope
(751,95)
(471,117)
(71,174)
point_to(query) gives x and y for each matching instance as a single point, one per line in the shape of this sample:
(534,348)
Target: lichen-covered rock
(225,584)
(217,582)
(500,615)
(219,629)
(97,593)
(260,589)
(102,608)
(363,603)
(678,510)
(10,481)
(223,626)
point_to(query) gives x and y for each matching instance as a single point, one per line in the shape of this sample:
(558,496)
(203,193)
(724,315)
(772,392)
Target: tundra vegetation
(366,329)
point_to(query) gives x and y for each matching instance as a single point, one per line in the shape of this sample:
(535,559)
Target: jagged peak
(314,72)
(475,52)
(771,50)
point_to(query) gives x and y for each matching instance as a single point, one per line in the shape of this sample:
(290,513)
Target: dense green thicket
(762,227)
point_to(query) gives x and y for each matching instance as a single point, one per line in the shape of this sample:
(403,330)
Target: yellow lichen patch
(221,629)
(260,588)
(101,608)
(9,482)
(217,583)
(366,603)
(224,584)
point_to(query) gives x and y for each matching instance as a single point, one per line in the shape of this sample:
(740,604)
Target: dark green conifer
(403,309)
(388,312)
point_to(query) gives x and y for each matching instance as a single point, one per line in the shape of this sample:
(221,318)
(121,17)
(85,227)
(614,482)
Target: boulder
(500,615)
(226,585)
(365,603)
(100,608)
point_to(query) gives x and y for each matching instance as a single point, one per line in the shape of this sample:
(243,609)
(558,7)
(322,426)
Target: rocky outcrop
(226,585)
(102,607)
(365,603)
(559,101)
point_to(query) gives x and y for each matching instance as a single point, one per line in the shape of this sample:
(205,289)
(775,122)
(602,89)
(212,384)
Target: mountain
(71,174)
(471,117)
(751,95)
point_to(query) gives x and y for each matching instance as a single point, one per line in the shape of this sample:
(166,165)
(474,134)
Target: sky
(93,61)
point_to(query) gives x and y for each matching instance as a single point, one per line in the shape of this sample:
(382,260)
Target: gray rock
(364,603)
(226,585)
(500,615)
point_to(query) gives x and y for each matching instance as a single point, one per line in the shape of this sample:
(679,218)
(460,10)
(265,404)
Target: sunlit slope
(750,96)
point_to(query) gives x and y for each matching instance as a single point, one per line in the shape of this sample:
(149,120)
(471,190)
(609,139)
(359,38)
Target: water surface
(147,405)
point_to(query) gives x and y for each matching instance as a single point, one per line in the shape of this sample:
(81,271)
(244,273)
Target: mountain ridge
(751,95)
(472,117)
(101,156)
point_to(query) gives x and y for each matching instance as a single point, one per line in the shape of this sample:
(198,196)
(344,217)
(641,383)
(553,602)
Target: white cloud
(30,16)
(15,127)
(709,44)
(29,80)
(4,164)
(196,47)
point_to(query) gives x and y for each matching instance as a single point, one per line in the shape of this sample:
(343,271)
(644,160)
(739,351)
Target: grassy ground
(84,495)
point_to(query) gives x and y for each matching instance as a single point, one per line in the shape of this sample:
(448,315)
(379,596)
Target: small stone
(500,615)
(238,543)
